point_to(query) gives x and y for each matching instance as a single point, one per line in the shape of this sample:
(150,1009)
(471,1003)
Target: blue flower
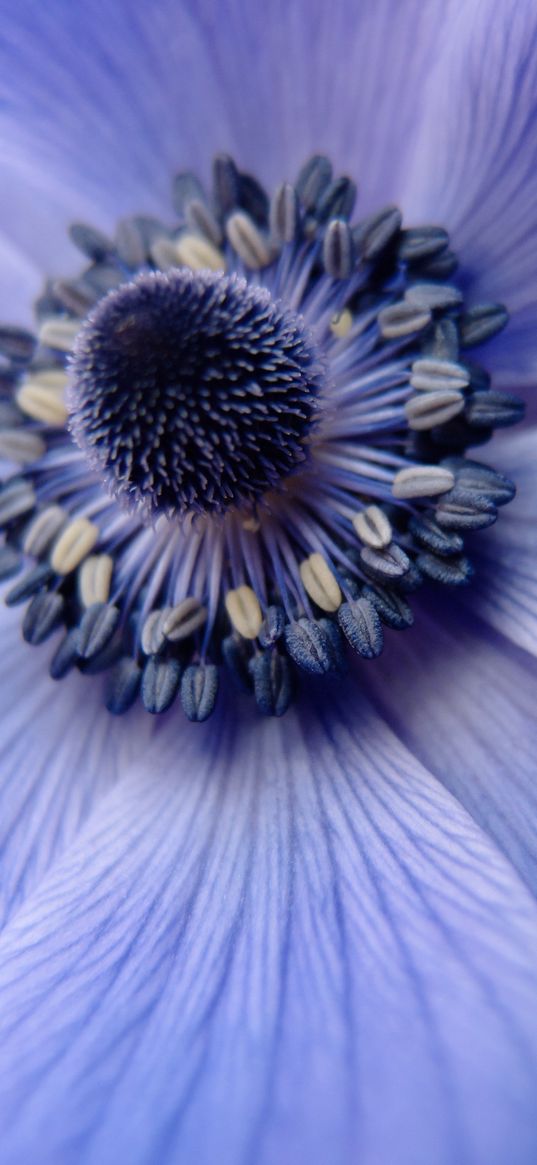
(307,939)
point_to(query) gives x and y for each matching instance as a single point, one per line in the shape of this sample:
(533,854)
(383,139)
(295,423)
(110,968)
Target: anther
(73,545)
(430,375)
(247,241)
(160,684)
(242,606)
(59,333)
(433,408)
(33,581)
(481,323)
(199,690)
(16,343)
(373,527)
(393,609)
(198,253)
(17,498)
(94,578)
(42,616)
(433,296)
(403,319)
(284,214)
(43,529)
(422,481)
(385,565)
(320,583)
(421,242)
(374,234)
(338,250)
(42,398)
(96,629)
(22,445)
(184,619)
(316,646)
(272,682)
(361,625)
(123,686)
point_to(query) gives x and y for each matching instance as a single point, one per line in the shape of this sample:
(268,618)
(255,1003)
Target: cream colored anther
(94,578)
(59,333)
(242,606)
(422,481)
(42,398)
(373,527)
(247,241)
(320,583)
(199,254)
(73,545)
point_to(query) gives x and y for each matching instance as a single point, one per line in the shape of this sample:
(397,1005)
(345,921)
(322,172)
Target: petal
(505,590)
(107,102)
(464,703)
(59,754)
(291,945)
(475,166)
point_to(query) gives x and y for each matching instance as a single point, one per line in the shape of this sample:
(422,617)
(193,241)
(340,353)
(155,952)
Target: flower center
(295,381)
(192,391)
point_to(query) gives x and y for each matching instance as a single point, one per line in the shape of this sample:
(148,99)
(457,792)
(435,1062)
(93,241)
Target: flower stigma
(241,441)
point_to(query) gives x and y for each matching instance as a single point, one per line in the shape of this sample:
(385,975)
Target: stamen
(263,452)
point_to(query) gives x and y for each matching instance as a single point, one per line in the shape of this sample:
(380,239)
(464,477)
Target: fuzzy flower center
(192,391)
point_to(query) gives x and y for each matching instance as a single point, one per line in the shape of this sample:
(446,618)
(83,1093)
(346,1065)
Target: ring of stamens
(356,488)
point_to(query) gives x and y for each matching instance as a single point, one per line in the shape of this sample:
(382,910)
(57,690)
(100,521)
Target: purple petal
(107,103)
(505,587)
(287,944)
(464,703)
(475,167)
(60,754)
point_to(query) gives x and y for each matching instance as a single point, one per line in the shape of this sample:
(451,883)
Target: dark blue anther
(226,181)
(385,565)
(253,199)
(76,297)
(421,243)
(42,616)
(376,232)
(453,572)
(272,627)
(103,659)
(272,681)
(315,645)
(199,689)
(66,656)
(337,200)
(186,188)
(338,249)
(393,609)
(192,391)
(313,179)
(160,683)
(478,479)
(16,344)
(123,685)
(96,629)
(431,536)
(91,242)
(494,409)
(10,561)
(361,625)
(34,580)
(482,322)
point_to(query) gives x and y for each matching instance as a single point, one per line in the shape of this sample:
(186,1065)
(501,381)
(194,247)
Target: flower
(308,938)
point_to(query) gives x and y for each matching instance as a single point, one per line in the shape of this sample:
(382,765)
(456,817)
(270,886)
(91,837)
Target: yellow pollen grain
(242,606)
(320,583)
(73,545)
(341,324)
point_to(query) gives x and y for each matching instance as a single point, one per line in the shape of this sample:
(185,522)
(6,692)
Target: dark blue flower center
(193,391)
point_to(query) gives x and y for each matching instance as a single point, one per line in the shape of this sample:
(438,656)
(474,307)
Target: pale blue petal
(505,588)
(464,702)
(60,753)
(289,945)
(475,167)
(108,100)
